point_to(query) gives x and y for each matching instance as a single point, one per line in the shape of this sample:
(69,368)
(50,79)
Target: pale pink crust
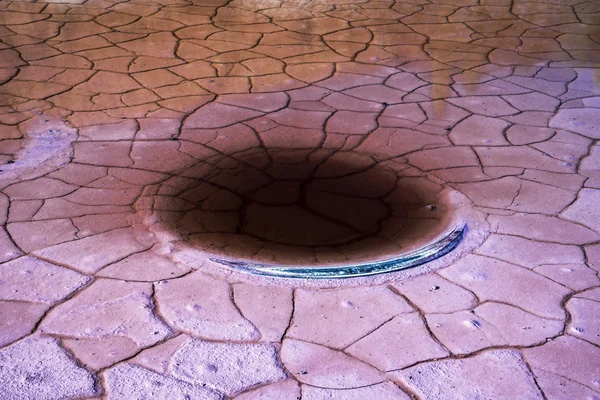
(159,158)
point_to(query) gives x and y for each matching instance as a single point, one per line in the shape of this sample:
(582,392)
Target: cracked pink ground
(346,117)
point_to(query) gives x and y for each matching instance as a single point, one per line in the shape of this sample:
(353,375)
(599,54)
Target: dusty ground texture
(140,138)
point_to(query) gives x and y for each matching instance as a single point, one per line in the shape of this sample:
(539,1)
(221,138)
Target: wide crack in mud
(299,213)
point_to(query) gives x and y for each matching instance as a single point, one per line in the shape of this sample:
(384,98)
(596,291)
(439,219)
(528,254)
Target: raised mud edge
(432,251)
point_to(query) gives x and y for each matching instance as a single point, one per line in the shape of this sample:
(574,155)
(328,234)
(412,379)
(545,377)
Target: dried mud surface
(138,139)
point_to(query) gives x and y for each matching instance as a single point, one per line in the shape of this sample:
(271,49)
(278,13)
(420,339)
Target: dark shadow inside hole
(303,207)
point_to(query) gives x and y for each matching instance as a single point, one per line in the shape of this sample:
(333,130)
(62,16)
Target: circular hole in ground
(301,207)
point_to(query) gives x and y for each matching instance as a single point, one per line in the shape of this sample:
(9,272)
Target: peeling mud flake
(203,306)
(586,209)
(491,324)
(130,382)
(568,357)
(397,344)
(18,319)
(382,391)
(227,367)
(338,318)
(585,322)
(31,279)
(38,369)
(585,121)
(121,242)
(320,366)
(105,309)
(492,375)
(286,390)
